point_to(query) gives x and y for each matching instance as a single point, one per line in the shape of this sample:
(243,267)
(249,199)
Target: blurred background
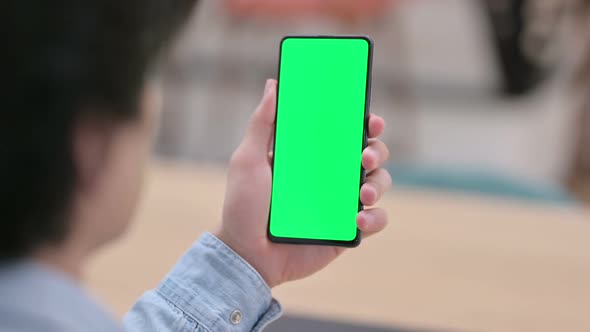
(488,122)
(478,95)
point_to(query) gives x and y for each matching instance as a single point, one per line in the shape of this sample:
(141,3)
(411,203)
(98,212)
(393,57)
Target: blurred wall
(434,81)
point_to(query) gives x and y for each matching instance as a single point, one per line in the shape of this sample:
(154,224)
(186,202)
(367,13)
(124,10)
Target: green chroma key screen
(319,138)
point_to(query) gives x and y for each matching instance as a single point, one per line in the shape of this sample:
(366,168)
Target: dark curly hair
(60,60)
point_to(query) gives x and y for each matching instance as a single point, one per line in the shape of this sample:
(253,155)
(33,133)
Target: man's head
(77,115)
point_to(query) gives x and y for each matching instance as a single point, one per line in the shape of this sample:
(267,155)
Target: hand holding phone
(248,192)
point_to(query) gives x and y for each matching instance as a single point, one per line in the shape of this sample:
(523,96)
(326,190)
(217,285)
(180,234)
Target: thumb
(261,126)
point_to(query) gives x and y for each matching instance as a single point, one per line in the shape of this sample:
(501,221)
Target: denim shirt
(210,289)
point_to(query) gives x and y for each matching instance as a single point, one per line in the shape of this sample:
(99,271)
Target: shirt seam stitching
(164,291)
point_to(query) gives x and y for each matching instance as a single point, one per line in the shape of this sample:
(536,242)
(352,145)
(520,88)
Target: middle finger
(375,154)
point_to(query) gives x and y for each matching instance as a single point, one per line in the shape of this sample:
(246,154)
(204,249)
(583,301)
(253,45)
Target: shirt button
(235,317)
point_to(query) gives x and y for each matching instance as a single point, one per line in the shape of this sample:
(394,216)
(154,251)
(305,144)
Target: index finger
(376,125)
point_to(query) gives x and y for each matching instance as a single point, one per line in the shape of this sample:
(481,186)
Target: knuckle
(386,151)
(388,180)
(376,186)
(378,213)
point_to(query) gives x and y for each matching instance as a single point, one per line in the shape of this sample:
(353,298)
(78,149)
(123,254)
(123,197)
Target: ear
(151,104)
(91,141)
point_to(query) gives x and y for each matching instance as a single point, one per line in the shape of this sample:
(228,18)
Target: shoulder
(35,298)
(12,320)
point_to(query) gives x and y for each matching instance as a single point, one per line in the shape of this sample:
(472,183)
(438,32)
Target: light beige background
(446,261)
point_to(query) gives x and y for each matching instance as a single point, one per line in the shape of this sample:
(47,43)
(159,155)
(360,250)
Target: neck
(66,258)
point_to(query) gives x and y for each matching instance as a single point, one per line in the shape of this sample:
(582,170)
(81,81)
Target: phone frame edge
(357,240)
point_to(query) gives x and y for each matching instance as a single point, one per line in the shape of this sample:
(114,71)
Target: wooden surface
(450,262)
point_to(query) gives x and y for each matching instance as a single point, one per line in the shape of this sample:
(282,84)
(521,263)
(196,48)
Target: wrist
(249,255)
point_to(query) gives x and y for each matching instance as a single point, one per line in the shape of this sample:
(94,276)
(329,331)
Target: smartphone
(323,98)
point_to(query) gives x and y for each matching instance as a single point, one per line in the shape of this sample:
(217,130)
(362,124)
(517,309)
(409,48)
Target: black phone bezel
(357,240)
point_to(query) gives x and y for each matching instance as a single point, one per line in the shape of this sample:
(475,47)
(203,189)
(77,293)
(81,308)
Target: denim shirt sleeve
(210,289)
